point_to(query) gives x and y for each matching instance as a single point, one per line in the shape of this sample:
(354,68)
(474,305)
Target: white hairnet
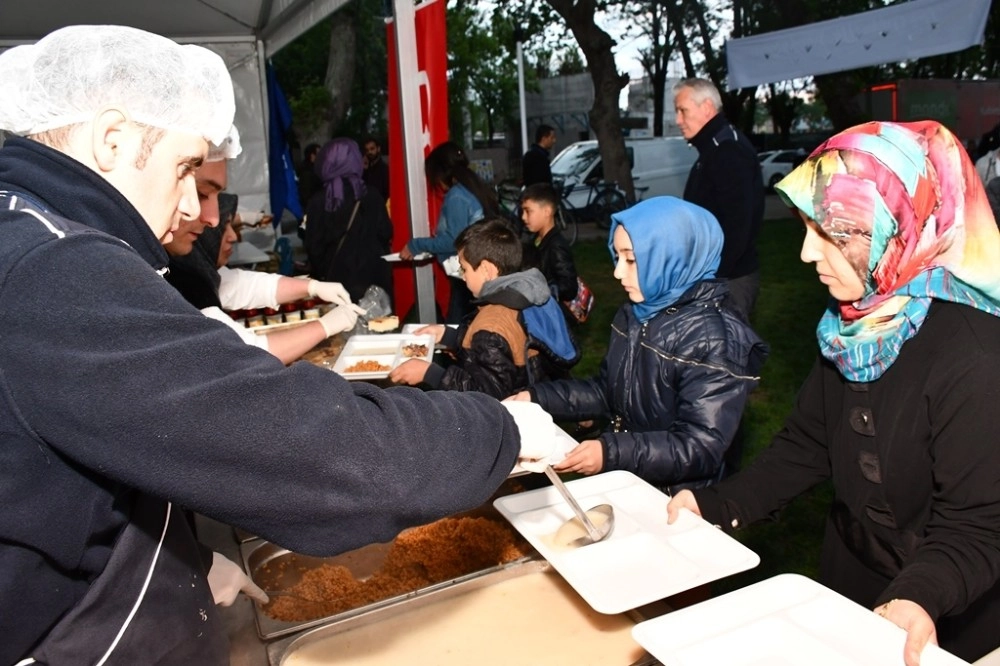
(228,149)
(68,75)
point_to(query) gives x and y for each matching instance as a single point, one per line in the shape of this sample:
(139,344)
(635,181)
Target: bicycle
(509,202)
(602,201)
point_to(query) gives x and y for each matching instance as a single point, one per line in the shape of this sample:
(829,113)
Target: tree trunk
(340,70)
(605,117)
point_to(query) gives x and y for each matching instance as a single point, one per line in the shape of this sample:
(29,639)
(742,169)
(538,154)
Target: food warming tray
(274,568)
(362,562)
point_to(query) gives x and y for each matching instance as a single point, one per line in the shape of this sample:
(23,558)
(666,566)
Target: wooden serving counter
(525,614)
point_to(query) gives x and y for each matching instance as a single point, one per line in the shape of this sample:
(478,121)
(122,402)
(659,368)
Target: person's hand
(523,396)
(919,626)
(339,319)
(437,330)
(682,500)
(226,580)
(586,458)
(410,372)
(331,292)
(405,254)
(538,434)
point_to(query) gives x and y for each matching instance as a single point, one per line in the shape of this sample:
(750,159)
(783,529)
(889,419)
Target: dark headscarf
(340,161)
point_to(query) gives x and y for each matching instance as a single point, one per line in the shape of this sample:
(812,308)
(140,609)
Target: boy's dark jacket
(517,337)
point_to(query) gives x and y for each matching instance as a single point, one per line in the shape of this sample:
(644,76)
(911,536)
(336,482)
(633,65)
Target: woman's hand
(410,372)
(682,500)
(405,253)
(437,330)
(523,396)
(919,626)
(586,458)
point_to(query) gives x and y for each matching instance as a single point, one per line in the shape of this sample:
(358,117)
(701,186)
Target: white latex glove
(226,580)
(451,267)
(331,292)
(339,319)
(538,434)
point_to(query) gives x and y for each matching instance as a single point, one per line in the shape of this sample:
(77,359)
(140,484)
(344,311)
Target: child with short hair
(551,252)
(517,336)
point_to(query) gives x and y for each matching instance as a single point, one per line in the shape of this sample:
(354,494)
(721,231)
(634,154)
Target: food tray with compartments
(374,356)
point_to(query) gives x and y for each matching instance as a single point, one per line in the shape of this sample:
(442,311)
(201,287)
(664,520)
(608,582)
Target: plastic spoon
(594,533)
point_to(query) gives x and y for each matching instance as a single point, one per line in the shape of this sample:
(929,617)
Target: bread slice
(383,324)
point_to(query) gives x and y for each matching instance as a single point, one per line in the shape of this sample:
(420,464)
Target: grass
(789,306)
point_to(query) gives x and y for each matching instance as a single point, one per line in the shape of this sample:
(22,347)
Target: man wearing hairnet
(110,383)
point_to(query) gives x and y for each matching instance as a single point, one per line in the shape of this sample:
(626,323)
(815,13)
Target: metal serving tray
(275,568)
(279,650)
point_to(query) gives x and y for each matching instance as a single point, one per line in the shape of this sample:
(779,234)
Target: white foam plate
(644,559)
(420,256)
(785,620)
(386,349)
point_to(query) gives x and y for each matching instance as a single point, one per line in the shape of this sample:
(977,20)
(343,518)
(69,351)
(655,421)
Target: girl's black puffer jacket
(673,387)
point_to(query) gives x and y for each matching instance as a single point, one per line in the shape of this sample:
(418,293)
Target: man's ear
(492,272)
(110,134)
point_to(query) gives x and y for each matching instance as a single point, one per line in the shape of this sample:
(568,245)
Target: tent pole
(413,149)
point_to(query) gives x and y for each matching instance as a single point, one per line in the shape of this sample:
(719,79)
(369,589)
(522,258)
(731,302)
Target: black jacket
(110,393)
(358,263)
(535,166)
(516,337)
(555,259)
(674,388)
(726,180)
(376,177)
(914,461)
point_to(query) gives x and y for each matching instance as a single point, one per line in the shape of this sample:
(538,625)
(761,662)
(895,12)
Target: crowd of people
(105,191)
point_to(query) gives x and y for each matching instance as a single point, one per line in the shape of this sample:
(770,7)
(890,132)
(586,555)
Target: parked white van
(660,166)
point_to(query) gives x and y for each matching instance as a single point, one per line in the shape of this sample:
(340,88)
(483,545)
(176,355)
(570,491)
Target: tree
(784,108)
(335,75)
(482,69)
(655,24)
(605,119)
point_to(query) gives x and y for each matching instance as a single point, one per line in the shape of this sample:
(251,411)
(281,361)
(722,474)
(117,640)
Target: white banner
(901,32)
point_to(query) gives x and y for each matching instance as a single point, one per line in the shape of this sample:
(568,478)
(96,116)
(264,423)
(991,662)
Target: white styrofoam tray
(386,349)
(785,620)
(644,559)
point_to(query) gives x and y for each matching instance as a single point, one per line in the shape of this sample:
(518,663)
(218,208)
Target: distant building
(639,114)
(564,102)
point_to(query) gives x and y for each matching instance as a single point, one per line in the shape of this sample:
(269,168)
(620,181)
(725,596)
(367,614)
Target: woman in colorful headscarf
(679,365)
(900,410)
(347,226)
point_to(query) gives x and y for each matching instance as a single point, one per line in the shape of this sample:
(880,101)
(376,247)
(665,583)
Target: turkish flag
(432,66)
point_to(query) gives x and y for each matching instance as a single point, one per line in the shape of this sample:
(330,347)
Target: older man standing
(726,180)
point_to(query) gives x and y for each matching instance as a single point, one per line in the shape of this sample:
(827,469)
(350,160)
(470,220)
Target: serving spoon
(595,533)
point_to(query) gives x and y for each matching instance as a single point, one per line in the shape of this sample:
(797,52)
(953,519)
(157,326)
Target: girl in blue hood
(679,365)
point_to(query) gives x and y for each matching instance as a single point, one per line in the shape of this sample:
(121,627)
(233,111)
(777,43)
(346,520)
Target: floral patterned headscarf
(903,203)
